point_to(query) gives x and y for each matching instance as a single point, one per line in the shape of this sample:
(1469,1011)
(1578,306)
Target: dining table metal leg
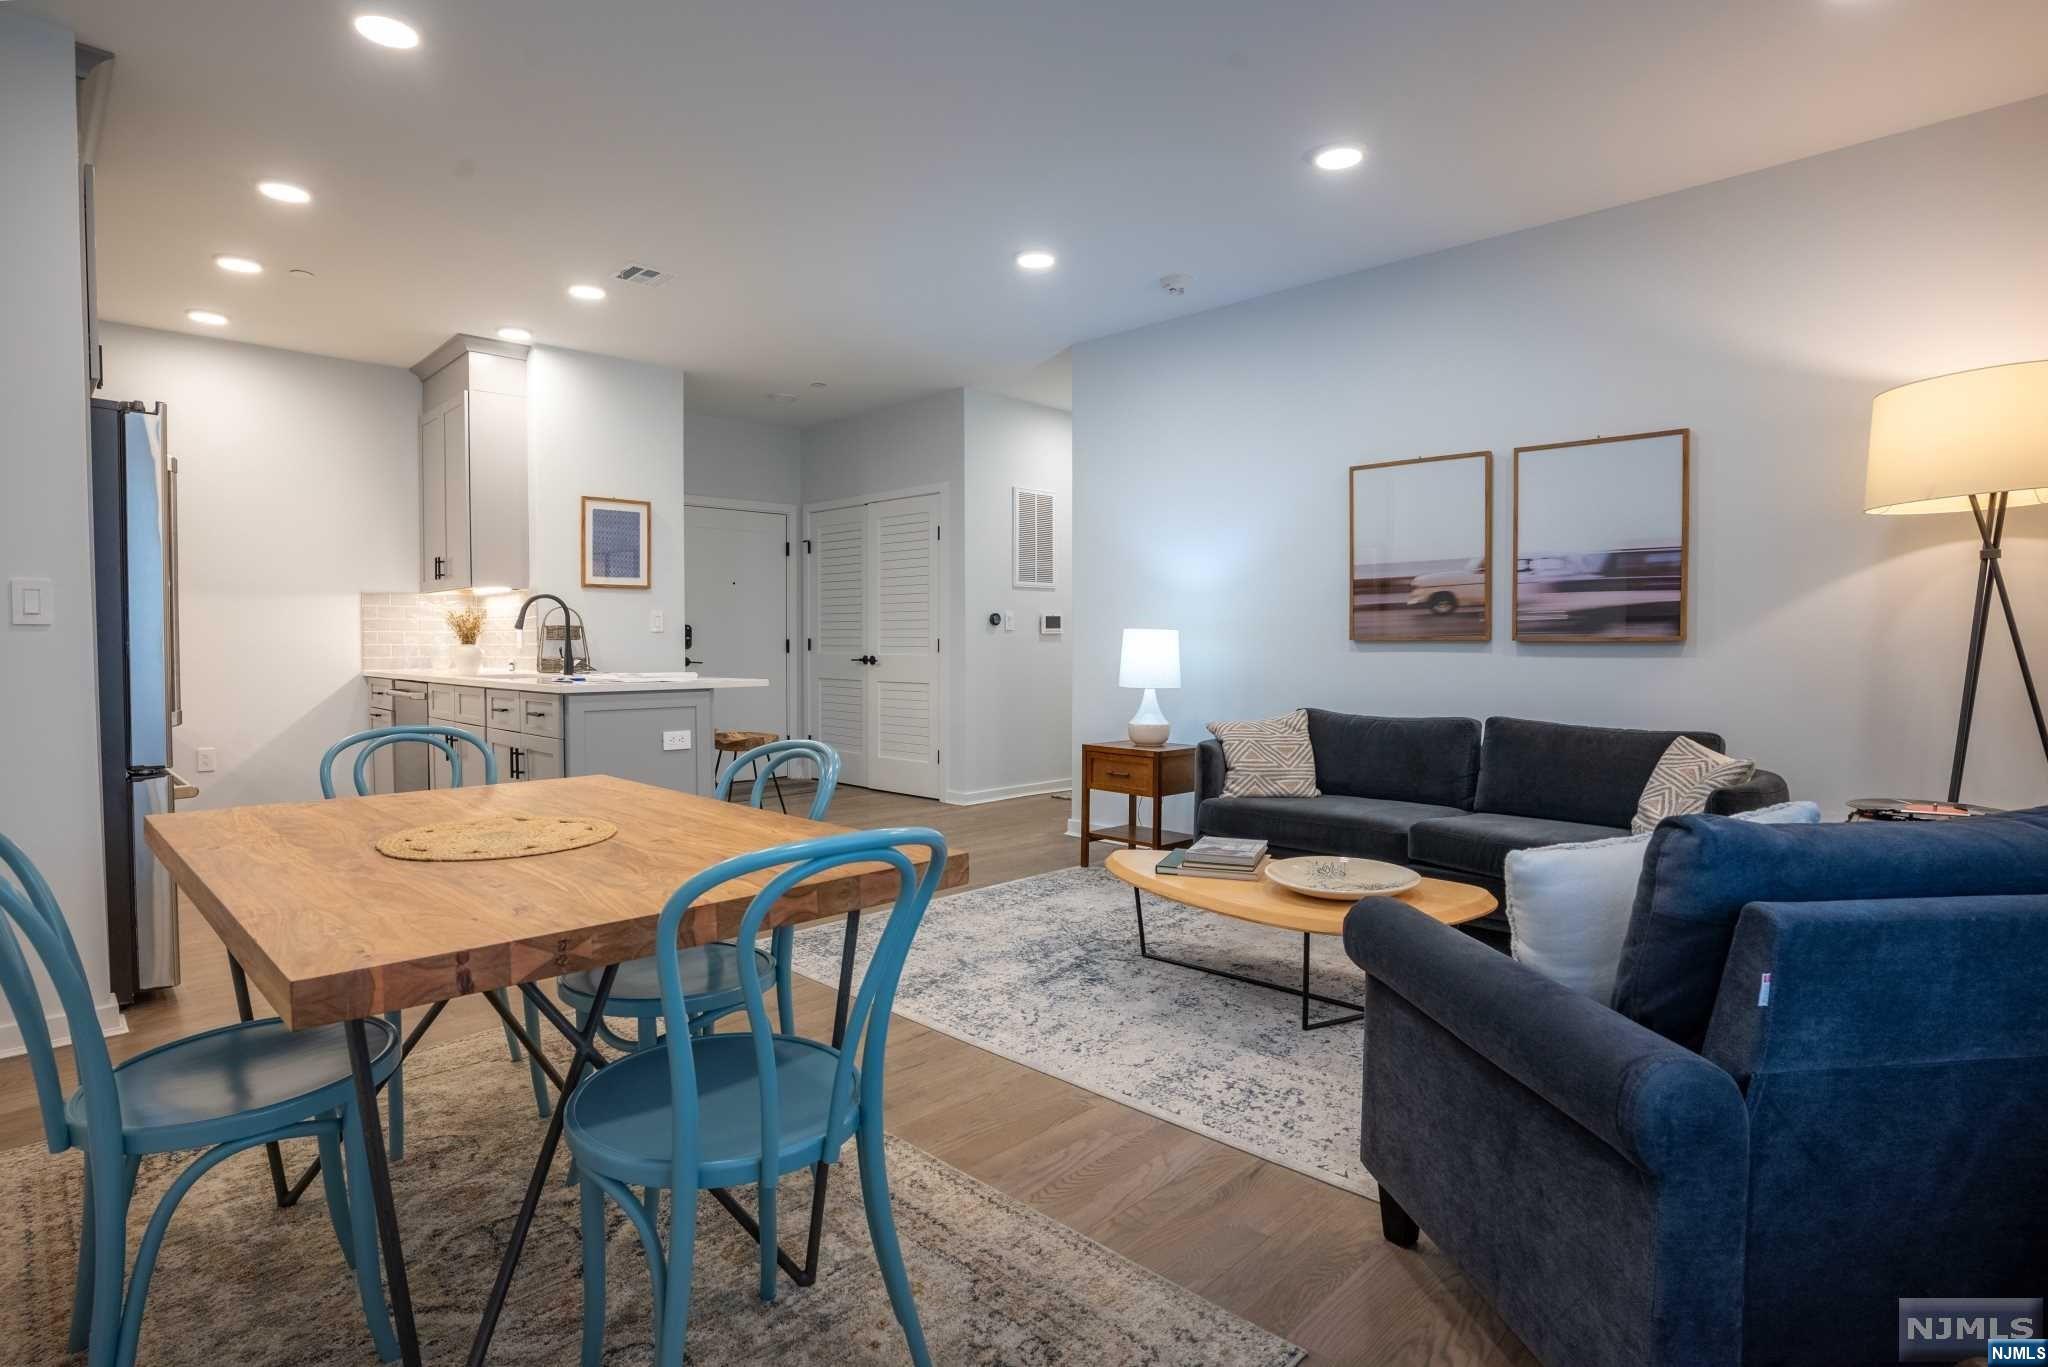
(379,1168)
(586,1056)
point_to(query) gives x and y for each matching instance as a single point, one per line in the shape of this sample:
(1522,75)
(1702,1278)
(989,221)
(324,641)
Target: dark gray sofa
(1709,1174)
(1446,798)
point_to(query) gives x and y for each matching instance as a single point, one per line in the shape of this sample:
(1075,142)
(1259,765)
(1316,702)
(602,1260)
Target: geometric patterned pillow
(1684,779)
(1268,758)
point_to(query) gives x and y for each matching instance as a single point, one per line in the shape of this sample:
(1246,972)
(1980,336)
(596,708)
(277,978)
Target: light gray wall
(912,445)
(752,461)
(1019,696)
(299,485)
(49,729)
(1763,312)
(609,428)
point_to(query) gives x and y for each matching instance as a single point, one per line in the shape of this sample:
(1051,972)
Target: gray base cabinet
(660,738)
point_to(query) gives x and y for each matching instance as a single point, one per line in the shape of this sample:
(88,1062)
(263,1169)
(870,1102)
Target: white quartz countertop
(601,682)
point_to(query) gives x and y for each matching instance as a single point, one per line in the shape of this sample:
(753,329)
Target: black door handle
(688,661)
(867,659)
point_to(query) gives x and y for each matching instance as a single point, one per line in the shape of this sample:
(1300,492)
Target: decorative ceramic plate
(1320,875)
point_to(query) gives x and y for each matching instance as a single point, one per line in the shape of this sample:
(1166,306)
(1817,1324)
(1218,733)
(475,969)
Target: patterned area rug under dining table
(1045,971)
(241,1282)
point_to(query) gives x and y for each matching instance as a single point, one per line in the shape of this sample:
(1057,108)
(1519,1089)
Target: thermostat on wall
(1049,624)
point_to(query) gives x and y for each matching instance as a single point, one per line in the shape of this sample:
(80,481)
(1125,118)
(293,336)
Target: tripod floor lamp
(1976,442)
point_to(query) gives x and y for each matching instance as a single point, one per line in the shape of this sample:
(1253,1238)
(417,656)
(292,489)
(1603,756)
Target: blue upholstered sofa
(1437,794)
(1822,1086)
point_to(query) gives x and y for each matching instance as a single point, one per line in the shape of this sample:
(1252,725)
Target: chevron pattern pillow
(1270,758)
(1684,779)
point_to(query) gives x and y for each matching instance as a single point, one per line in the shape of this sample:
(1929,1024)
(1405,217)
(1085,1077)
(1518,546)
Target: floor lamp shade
(1934,443)
(1975,442)
(1151,659)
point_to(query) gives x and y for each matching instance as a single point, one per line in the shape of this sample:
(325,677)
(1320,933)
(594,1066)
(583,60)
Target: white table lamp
(1151,660)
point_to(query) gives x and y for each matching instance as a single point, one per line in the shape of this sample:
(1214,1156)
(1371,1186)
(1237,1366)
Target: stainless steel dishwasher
(410,772)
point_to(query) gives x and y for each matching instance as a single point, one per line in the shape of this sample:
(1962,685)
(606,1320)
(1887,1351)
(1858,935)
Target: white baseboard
(112,1023)
(981,795)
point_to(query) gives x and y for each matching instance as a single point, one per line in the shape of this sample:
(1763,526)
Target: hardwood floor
(1301,1258)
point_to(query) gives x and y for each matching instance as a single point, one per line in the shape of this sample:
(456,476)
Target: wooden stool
(737,743)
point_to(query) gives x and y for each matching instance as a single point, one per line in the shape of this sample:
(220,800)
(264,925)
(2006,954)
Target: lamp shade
(1933,443)
(1151,658)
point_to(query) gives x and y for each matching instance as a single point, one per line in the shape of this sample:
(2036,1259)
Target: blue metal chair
(707,1112)
(231,1089)
(711,975)
(449,740)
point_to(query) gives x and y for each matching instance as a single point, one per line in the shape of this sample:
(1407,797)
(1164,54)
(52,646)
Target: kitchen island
(651,728)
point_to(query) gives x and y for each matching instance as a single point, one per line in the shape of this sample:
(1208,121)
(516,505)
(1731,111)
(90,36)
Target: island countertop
(598,682)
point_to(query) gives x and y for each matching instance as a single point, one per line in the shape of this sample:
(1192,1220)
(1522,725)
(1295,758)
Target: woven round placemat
(497,837)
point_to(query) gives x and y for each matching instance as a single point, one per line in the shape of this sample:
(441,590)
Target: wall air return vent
(1031,539)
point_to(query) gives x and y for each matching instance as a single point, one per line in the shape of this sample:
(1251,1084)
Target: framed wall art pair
(1599,543)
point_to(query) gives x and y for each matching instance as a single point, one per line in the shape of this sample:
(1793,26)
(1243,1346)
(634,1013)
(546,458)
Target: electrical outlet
(675,740)
(203,757)
(655,621)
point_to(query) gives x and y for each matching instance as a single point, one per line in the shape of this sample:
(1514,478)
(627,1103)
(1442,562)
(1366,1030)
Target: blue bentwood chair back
(448,740)
(231,1089)
(709,971)
(676,1117)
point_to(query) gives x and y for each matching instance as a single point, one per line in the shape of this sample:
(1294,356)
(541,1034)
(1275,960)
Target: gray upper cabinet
(473,513)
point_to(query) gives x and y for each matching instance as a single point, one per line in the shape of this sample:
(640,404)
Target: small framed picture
(616,545)
(1600,539)
(1421,534)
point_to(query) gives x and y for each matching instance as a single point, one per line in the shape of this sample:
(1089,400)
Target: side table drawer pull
(1117,773)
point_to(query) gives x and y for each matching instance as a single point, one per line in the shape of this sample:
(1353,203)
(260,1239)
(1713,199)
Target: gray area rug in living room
(1045,971)
(241,1282)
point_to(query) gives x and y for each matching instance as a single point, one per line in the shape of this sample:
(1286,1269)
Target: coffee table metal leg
(1354,1012)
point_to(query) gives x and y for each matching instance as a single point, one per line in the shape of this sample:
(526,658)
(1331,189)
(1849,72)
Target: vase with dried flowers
(467,623)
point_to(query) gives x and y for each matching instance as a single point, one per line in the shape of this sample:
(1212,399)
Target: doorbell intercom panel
(1049,623)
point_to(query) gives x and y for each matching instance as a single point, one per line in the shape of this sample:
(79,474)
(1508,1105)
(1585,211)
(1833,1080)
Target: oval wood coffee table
(1264,902)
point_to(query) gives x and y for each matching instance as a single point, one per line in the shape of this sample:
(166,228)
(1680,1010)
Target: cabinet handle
(516,753)
(439,572)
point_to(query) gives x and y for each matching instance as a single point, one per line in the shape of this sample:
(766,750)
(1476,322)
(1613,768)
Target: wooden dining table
(331,931)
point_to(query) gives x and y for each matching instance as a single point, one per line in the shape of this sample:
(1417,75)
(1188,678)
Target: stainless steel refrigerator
(135,593)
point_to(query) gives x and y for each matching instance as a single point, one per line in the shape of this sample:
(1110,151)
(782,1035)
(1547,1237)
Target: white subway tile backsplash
(410,630)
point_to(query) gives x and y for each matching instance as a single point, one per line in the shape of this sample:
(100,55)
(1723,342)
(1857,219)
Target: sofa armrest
(1656,1103)
(1764,789)
(1208,772)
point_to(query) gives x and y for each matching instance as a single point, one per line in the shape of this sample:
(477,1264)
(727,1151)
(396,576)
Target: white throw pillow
(1685,777)
(1568,905)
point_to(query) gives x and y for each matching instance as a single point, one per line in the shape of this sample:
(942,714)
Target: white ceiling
(838,188)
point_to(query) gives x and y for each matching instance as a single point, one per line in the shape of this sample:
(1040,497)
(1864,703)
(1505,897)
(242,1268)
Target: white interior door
(838,673)
(874,676)
(903,754)
(736,604)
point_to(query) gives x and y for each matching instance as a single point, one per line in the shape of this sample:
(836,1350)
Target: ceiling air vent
(1031,538)
(640,275)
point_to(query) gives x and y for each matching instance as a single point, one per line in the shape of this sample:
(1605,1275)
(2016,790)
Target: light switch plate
(675,740)
(655,621)
(203,759)
(34,602)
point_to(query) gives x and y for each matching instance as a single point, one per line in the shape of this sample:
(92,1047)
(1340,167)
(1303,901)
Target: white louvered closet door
(838,670)
(903,754)
(874,677)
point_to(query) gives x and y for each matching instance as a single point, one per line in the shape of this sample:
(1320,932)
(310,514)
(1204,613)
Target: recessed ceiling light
(284,192)
(1337,157)
(589,294)
(387,32)
(239,265)
(1036,260)
(208,317)
(514,335)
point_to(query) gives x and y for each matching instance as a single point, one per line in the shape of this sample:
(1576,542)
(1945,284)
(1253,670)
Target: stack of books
(1215,857)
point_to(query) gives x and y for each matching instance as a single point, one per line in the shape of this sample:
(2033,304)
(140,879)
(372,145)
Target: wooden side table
(1150,771)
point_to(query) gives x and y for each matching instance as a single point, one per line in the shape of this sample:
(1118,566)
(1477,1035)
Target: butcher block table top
(331,930)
